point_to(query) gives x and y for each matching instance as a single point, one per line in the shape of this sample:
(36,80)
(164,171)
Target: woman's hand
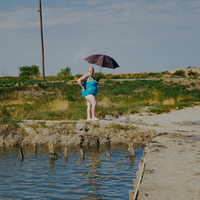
(83,89)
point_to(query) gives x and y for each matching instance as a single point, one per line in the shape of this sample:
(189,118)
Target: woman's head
(90,71)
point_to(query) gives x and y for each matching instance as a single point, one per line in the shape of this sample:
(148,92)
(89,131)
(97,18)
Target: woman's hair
(90,68)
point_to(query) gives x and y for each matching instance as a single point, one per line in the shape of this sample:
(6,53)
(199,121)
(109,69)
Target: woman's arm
(81,79)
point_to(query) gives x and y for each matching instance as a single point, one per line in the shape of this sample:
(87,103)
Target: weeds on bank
(10,122)
(118,127)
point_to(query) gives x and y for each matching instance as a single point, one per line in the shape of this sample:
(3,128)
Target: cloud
(113,26)
(21,17)
(81,55)
(94,2)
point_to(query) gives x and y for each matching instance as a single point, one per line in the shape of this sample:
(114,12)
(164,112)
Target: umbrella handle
(100,70)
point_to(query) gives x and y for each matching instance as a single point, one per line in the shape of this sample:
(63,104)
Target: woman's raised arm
(81,79)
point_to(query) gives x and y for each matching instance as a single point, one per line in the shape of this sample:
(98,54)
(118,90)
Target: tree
(65,72)
(29,71)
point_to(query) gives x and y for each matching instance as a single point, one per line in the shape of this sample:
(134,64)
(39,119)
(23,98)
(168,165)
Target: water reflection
(95,177)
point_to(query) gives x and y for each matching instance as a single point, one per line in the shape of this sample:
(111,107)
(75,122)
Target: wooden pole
(21,153)
(65,153)
(51,151)
(131,149)
(42,43)
(82,153)
(35,149)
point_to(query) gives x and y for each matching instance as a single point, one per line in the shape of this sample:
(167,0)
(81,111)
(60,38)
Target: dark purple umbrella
(102,61)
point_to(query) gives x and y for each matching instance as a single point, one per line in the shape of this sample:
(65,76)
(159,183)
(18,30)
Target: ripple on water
(95,177)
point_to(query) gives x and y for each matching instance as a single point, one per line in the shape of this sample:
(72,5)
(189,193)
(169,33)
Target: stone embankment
(138,128)
(108,131)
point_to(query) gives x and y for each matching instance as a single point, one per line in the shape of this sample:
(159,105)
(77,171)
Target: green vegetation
(65,72)
(27,71)
(179,73)
(59,97)
(118,127)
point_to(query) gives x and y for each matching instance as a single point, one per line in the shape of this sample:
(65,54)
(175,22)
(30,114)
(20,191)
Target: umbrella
(102,61)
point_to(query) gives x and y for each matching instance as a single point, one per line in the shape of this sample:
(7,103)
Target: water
(95,177)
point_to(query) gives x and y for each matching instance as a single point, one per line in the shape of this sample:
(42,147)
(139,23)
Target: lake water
(95,177)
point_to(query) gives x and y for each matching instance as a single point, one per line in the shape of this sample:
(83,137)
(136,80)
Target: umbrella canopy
(102,61)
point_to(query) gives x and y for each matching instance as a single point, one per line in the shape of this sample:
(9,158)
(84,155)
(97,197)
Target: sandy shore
(172,169)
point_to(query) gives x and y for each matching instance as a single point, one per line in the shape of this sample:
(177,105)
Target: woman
(89,91)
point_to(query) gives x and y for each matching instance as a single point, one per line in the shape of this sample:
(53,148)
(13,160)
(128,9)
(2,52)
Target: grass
(118,127)
(60,99)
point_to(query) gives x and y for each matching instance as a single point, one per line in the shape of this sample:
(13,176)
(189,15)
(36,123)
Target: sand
(172,169)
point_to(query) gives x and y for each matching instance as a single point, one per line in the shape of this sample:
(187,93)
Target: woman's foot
(95,119)
(89,119)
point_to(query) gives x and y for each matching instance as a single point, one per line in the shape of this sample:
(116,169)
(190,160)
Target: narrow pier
(172,169)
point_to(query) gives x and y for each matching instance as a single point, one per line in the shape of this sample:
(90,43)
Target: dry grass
(105,102)
(156,96)
(59,105)
(16,102)
(168,102)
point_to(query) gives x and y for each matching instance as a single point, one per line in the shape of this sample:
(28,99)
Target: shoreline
(137,128)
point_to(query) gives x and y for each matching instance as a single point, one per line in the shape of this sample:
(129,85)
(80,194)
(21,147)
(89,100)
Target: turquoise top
(91,87)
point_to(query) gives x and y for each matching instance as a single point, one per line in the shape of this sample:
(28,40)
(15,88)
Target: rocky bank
(137,128)
(108,131)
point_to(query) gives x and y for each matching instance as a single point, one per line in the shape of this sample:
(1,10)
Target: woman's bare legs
(92,100)
(89,110)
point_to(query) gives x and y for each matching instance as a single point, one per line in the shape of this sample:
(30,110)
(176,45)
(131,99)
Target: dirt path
(172,169)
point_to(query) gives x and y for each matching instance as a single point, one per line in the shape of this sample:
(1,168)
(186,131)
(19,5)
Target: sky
(141,35)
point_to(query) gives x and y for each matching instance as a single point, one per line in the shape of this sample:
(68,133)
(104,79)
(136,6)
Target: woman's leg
(92,100)
(89,106)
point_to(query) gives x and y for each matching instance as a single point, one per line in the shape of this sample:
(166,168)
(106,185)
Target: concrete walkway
(172,168)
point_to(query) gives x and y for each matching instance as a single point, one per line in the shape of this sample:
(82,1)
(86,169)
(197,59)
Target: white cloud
(113,26)
(22,17)
(81,55)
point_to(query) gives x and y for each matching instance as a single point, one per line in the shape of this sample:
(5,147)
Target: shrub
(179,73)
(27,71)
(64,72)
(193,74)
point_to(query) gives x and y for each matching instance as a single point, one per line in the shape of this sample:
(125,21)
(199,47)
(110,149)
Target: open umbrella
(102,61)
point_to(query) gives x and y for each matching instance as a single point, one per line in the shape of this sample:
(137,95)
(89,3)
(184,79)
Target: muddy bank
(72,133)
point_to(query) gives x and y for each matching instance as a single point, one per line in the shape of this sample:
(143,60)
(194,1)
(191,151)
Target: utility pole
(42,44)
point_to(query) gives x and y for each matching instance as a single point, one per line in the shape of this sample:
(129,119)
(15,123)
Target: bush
(64,72)
(192,74)
(27,71)
(179,73)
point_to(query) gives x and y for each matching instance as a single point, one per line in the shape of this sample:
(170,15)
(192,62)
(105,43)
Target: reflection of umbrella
(102,60)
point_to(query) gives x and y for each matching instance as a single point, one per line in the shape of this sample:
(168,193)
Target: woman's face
(90,72)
